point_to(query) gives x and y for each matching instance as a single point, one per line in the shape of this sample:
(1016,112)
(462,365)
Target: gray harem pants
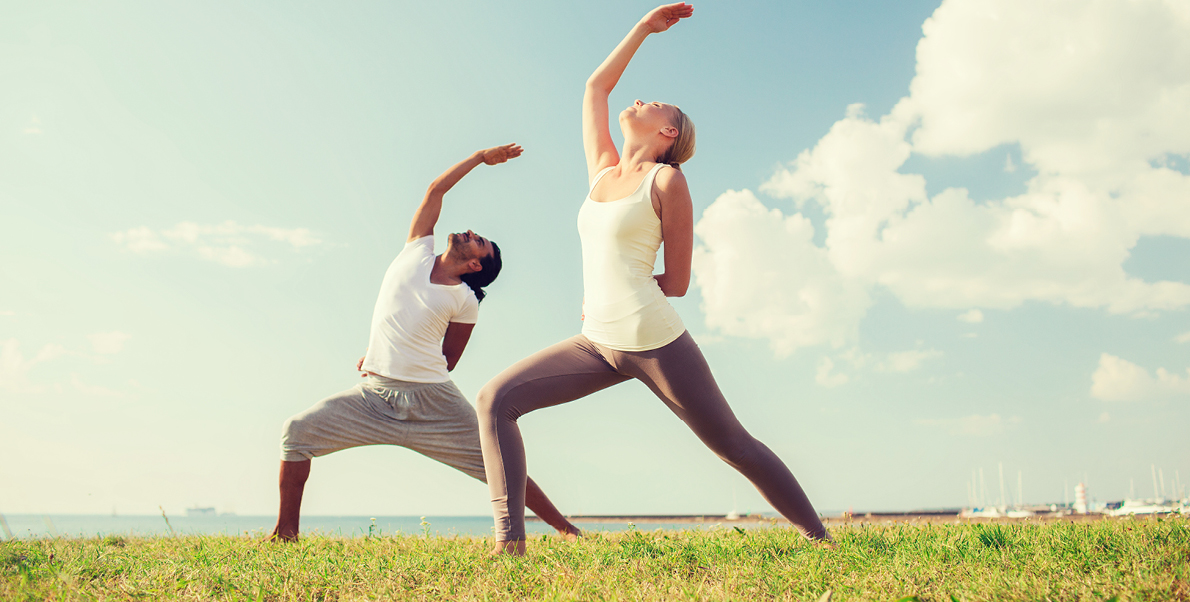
(432,419)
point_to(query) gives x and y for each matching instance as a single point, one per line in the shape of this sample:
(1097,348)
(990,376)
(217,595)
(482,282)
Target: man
(427,307)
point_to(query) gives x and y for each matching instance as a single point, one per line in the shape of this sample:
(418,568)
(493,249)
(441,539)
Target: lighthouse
(1080,498)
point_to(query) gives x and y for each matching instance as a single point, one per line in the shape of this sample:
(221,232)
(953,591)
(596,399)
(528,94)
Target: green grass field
(1095,560)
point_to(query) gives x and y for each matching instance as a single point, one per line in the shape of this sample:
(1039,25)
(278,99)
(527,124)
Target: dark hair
(490,268)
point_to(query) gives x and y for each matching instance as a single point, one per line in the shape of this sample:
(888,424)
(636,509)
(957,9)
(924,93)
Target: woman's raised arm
(597,138)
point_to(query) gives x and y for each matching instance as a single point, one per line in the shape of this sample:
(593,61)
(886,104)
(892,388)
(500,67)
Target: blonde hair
(683,145)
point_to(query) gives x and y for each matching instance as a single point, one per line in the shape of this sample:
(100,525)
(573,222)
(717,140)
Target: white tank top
(623,305)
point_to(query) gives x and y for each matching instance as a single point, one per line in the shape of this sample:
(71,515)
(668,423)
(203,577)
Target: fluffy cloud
(1183,338)
(1118,379)
(906,361)
(971,317)
(973,426)
(898,362)
(92,390)
(229,243)
(14,368)
(108,343)
(825,378)
(762,276)
(1094,93)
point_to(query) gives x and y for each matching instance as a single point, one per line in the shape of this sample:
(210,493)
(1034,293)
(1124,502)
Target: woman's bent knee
(497,400)
(488,400)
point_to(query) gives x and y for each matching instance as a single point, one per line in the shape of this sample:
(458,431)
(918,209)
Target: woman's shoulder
(669,177)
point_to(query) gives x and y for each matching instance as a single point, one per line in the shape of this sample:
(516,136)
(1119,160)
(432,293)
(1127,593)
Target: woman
(637,199)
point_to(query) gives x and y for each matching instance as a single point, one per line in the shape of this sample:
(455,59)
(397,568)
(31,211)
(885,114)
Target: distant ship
(197,511)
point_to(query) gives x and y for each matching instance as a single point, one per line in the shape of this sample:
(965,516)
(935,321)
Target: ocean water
(83,525)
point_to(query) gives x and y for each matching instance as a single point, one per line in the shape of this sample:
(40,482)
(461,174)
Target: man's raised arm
(427,213)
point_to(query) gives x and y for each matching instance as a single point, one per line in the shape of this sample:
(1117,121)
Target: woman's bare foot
(515,547)
(827,543)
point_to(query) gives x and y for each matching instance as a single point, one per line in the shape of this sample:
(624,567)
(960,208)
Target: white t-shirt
(411,317)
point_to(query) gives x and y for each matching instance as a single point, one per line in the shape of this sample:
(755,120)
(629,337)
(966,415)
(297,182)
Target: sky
(934,239)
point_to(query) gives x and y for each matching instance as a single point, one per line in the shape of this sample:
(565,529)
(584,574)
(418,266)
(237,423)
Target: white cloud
(92,390)
(1183,338)
(229,243)
(1094,95)
(824,377)
(140,240)
(14,368)
(762,276)
(1118,379)
(974,426)
(232,256)
(7,312)
(1104,418)
(898,362)
(108,343)
(34,126)
(906,361)
(971,317)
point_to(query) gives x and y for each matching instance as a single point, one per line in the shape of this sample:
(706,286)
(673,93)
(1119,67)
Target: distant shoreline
(916,516)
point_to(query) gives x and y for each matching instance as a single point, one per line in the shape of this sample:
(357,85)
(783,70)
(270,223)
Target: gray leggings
(677,373)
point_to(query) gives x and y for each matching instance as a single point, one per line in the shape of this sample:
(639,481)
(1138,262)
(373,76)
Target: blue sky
(933,237)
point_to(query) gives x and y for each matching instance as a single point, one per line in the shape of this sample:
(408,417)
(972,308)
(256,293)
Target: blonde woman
(637,199)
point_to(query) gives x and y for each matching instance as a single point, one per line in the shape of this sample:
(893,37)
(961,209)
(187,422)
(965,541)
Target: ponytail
(682,148)
(489,269)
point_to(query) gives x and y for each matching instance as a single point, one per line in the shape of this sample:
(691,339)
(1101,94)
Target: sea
(25,526)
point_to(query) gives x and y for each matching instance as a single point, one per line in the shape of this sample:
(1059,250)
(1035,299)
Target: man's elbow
(677,289)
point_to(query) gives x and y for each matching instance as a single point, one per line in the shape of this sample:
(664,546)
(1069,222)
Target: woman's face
(648,118)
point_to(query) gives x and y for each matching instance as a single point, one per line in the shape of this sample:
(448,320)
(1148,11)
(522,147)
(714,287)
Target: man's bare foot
(281,535)
(515,547)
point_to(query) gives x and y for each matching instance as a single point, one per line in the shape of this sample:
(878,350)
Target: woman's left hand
(664,17)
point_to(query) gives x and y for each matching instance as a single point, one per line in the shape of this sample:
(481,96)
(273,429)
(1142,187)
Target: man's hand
(499,154)
(427,213)
(359,366)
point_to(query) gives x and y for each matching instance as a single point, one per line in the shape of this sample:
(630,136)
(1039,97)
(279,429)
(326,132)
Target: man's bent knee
(292,433)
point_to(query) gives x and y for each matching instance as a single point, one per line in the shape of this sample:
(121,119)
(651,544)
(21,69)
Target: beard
(459,251)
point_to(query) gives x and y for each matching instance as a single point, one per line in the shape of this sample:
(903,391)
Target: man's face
(468,245)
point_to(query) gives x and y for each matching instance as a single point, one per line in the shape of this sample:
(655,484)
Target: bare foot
(282,535)
(515,547)
(827,543)
(570,534)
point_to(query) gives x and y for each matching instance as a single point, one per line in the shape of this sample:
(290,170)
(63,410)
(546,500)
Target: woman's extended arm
(677,230)
(597,138)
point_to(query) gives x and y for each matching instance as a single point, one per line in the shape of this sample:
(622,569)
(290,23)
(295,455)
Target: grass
(1100,560)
